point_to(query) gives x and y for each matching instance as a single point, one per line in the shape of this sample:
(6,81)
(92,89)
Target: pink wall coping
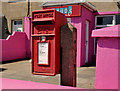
(20,84)
(113,31)
(10,36)
(108,13)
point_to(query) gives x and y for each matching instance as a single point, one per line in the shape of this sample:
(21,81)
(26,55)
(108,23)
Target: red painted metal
(75,10)
(47,23)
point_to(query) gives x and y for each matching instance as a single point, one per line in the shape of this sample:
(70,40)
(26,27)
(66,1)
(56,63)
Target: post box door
(44,55)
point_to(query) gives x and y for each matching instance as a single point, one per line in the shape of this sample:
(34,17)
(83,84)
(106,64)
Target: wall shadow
(12,61)
(5,31)
(2,69)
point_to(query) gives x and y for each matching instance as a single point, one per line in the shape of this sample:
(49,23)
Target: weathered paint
(68,44)
(80,24)
(13,47)
(108,60)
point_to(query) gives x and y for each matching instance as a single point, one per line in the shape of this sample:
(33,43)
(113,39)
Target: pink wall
(19,84)
(17,45)
(107,61)
(13,47)
(80,24)
(27,30)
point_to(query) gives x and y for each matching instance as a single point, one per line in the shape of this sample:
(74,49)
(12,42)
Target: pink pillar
(27,30)
(108,58)
(80,24)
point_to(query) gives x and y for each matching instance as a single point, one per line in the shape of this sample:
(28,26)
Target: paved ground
(21,70)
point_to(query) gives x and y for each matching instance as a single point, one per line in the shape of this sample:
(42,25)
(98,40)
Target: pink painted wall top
(113,31)
(108,13)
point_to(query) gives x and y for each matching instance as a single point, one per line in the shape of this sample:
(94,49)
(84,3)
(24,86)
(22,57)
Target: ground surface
(21,70)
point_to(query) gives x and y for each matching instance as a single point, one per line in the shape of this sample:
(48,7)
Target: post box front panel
(44,29)
(46,64)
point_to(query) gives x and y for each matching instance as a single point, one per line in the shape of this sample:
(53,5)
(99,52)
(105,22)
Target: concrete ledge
(113,31)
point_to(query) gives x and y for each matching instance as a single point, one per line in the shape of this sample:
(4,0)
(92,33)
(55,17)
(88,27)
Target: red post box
(46,41)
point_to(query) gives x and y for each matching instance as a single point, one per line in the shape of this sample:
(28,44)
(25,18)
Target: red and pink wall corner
(80,23)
